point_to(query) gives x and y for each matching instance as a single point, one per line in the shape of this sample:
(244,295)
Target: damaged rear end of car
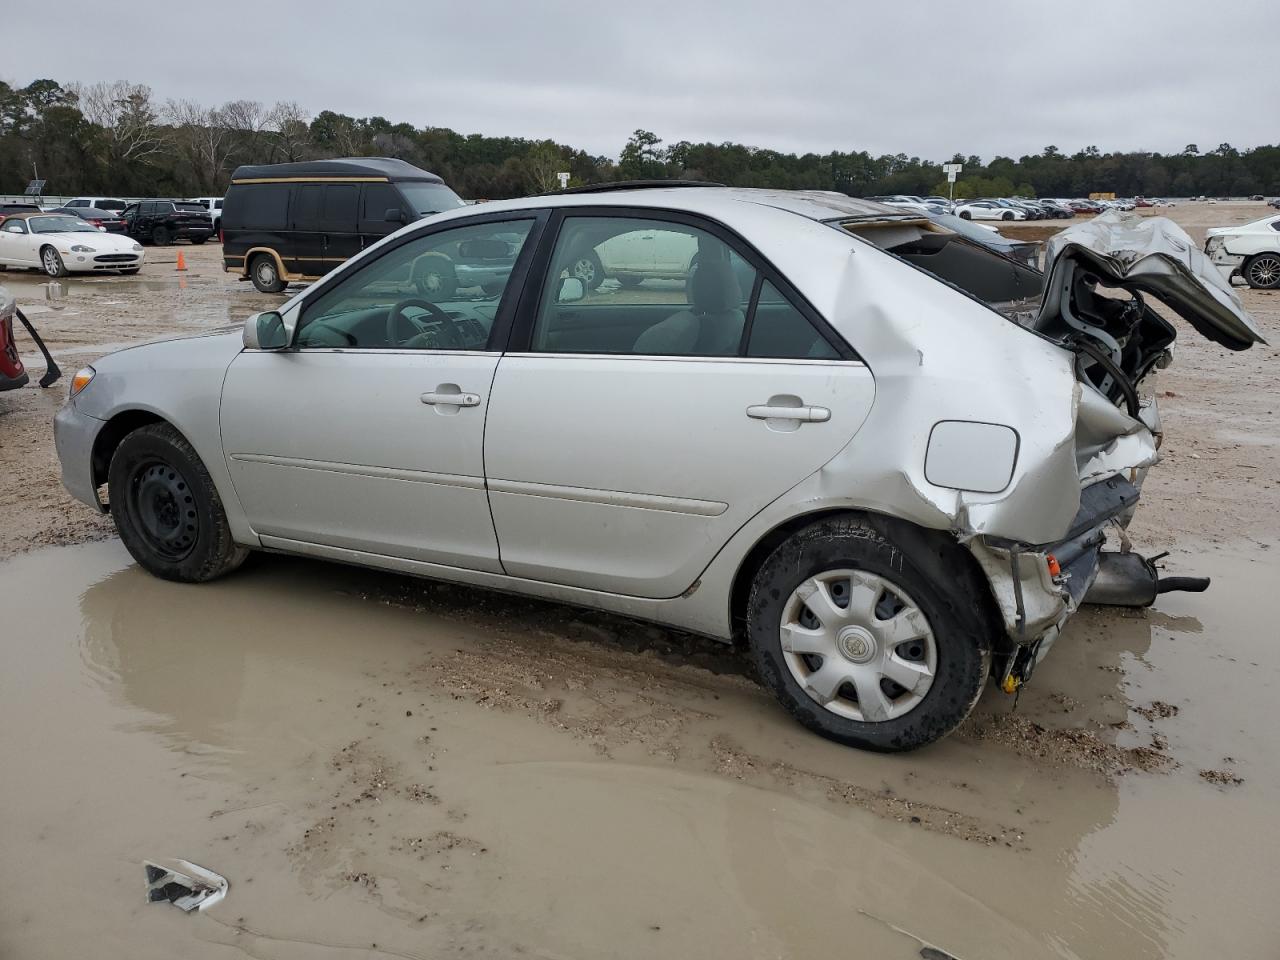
(1041,492)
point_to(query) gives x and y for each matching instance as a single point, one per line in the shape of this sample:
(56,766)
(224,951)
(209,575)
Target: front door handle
(447,399)
(768,411)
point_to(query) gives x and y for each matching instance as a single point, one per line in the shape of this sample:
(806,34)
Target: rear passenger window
(266,206)
(779,330)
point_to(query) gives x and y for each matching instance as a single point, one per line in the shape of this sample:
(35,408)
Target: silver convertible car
(884,457)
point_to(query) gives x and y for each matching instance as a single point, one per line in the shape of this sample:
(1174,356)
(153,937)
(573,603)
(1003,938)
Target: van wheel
(265,274)
(167,509)
(871,632)
(160,236)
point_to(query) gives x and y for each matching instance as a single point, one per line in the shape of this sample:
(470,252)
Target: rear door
(339,214)
(631,432)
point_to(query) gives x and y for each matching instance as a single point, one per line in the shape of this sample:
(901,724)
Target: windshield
(59,225)
(426,198)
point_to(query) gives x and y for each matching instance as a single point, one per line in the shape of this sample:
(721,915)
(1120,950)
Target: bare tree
(203,137)
(127,117)
(291,131)
(248,121)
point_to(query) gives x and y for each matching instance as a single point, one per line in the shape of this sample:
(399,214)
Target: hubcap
(266,273)
(431,282)
(858,645)
(50,261)
(166,510)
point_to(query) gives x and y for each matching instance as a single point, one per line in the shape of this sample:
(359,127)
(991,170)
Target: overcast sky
(928,79)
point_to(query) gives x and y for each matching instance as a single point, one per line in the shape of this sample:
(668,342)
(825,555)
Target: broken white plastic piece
(184,884)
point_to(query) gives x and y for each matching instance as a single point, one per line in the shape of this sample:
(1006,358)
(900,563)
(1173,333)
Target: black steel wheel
(166,508)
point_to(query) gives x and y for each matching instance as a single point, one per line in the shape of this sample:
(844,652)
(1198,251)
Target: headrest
(713,287)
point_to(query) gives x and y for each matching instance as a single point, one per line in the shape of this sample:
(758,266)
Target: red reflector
(1055,570)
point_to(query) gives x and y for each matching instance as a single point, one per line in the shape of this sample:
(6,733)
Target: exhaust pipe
(1131,580)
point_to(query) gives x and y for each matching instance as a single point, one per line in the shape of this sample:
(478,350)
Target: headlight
(80,248)
(81,379)
(137,248)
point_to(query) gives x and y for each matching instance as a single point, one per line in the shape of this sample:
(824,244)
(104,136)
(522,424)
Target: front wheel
(265,274)
(51,263)
(1262,271)
(167,509)
(868,635)
(966,215)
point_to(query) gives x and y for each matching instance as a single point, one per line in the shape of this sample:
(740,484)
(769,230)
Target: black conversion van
(285,222)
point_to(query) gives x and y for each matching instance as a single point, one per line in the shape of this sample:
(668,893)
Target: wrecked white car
(883,456)
(1250,251)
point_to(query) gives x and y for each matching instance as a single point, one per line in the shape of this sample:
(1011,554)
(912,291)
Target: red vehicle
(9,208)
(12,373)
(1142,202)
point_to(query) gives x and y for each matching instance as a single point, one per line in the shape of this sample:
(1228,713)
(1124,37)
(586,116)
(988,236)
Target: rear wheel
(1262,271)
(161,237)
(167,509)
(587,268)
(871,632)
(265,274)
(51,263)
(1007,215)
(198,240)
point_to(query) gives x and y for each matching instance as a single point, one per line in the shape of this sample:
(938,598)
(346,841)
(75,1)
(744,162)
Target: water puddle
(436,770)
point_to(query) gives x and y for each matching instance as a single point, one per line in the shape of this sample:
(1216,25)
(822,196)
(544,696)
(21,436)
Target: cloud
(988,77)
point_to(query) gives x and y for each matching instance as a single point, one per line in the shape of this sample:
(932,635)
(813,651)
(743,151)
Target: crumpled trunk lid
(1153,255)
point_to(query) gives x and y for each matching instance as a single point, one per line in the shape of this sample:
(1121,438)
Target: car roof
(819,205)
(383,168)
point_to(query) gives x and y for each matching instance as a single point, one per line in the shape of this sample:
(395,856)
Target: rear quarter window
(258,206)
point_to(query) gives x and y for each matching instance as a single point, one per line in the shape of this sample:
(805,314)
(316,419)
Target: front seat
(711,327)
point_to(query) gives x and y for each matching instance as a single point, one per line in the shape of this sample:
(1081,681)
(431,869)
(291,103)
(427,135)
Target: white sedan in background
(1251,251)
(988,210)
(59,244)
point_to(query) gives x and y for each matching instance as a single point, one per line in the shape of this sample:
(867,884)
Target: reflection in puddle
(432,768)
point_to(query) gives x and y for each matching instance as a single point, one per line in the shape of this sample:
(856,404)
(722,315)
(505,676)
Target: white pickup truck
(214,206)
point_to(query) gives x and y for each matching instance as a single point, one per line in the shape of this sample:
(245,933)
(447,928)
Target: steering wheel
(397,313)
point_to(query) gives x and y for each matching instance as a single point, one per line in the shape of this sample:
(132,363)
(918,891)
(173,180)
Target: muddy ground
(389,767)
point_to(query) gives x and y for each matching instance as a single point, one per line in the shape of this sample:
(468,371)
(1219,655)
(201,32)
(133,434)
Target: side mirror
(571,290)
(393,215)
(265,331)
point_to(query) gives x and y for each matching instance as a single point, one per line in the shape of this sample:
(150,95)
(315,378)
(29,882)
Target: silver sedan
(883,457)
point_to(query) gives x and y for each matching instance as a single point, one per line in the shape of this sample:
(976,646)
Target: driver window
(435,292)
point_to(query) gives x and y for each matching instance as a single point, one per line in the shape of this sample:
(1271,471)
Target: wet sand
(443,771)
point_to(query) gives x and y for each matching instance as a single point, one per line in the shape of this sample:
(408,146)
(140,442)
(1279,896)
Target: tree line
(119,139)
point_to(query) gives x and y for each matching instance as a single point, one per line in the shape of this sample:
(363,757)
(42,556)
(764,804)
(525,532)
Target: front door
(16,245)
(632,432)
(366,434)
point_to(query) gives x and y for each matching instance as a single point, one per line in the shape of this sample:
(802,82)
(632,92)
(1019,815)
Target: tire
(966,215)
(587,268)
(1262,271)
(167,510)
(217,227)
(630,281)
(899,574)
(1007,215)
(198,240)
(51,263)
(160,236)
(435,278)
(265,274)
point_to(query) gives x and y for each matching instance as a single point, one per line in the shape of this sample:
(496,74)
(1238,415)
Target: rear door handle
(764,411)
(452,399)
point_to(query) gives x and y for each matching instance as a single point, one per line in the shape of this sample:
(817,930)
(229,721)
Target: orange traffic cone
(182,261)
